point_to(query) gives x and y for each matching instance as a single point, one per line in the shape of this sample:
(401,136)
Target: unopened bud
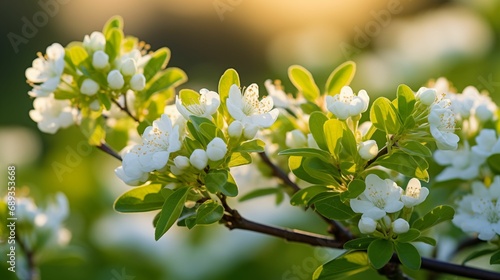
(427,96)
(216,149)
(181,162)
(199,159)
(128,67)
(138,82)
(100,60)
(483,113)
(89,87)
(400,226)
(115,79)
(368,149)
(235,129)
(367,225)
(295,139)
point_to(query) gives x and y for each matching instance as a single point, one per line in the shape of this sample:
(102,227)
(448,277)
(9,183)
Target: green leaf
(239,158)
(307,152)
(478,254)
(340,77)
(303,196)
(159,60)
(404,164)
(209,212)
(415,148)
(330,206)
(140,199)
(437,215)
(380,252)
(189,97)
(427,240)
(406,101)
(114,22)
(309,107)
(343,267)
(321,170)
(316,124)
(384,116)
(229,78)
(65,94)
(408,255)
(94,129)
(359,243)
(113,43)
(295,163)
(354,189)
(495,258)
(333,134)
(77,55)
(169,78)
(251,146)
(259,193)
(215,180)
(171,211)
(304,82)
(494,163)
(409,236)
(230,188)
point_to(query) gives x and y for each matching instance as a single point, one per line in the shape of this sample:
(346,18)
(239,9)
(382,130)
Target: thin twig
(125,109)
(108,150)
(30,257)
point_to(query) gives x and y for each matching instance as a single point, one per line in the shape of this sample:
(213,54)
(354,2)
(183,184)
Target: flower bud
(216,149)
(199,159)
(295,139)
(176,171)
(427,96)
(367,225)
(311,142)
(100,60)
(89,87)
(368,149)
(400,226)
(483,113)
(128,67)
(235,129)
(250,131)
(138,82)
(96,41)
(115,79)
(181,162)
(95,105)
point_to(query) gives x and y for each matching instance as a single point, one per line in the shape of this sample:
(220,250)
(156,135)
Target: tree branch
(335,228)
(108,150)
(233,220)
(125,109)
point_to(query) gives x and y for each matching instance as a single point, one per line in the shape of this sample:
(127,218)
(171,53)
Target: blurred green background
(392,42)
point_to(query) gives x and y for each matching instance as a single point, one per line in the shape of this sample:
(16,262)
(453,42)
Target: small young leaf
(209,212)
(380,252)
(359,243)
(354,189)
(229,78)
(437,215)
(495,258)
(295,163)
(239,158)
(494,163)
(140,199)
(340,77)
(251,146)
(408,255)
(113,43)
(415,148)
(171,211)
(427,240)
(333,134)
(343,267)
(406,101)
(307,152)
(169,78)
(230,188)
(478,254)
(316,125)
(304,82)
(303,196)
(384,116)
(215,180)
(114,22)
(259,193)
(409,236)
(329,205)
(159,60)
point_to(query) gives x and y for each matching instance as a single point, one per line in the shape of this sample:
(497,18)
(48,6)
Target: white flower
(235,129)
(204,104)
(52,114)
(295,139)
(89,87)
(346,104)
(181,162)
(138,82)
(100,60)
(129,178)
(95,42)
(368,149)
(414,193)
(426,95)
(250,130)
(247,108)
(176,118)
(487,143)
(442,125)
(367,225)
(115,79)
(479,212)
(379,198)
(45,73)
(199,159)
(400,226)
(128,67)
(461,164)
(216,149)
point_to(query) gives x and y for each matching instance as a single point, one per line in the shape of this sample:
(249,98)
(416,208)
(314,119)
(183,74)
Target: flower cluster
(381,204)
(346,104)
